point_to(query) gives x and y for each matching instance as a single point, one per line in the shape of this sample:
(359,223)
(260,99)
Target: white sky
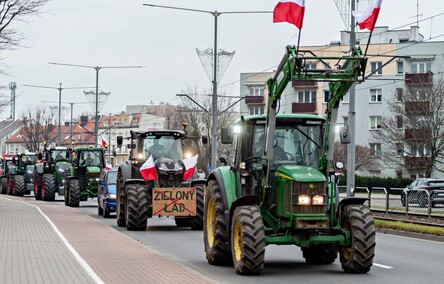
(124,33)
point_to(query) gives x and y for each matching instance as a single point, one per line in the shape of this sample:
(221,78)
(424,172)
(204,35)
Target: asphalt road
(397,259)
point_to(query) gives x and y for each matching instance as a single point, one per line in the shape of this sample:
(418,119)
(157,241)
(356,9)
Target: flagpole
(299,40)
(368,42)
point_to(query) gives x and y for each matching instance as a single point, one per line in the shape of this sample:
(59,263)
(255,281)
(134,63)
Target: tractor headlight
(317,200)
(30,172)
(110,196)
(304,200)
(61,170)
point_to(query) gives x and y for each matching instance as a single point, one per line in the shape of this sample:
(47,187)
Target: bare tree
(12,11)
(196,111)
(412,135)
(365,160)
(38,127)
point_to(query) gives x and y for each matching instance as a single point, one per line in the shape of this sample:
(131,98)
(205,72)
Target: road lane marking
(382,266)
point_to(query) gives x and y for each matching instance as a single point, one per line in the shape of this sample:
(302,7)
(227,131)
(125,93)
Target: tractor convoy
(280,187)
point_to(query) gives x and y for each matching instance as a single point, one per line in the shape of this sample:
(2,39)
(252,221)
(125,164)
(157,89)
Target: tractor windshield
(91,159)
(162,147)
(57,155)
(28,160)
(292,143)
(111,177)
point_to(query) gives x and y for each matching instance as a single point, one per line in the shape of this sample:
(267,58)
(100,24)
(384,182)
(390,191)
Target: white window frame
(376,149)
(421,66)
(256,110)
(312,94)
(375,66)
(257,91)
(375,122)
(375,95)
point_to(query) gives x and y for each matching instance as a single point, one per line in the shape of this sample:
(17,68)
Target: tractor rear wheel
(66,192)
(9,188)
(19,185)
(217,249)
(74,193)
(358,256)
(197,221)
(247,240)
(120,201)
(320,254)
(3,184)
(49,186)
(136,207)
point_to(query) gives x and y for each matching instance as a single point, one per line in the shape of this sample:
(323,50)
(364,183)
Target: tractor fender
(198,182)
(135,181)
(347,201)
(125,169)
(224,176)
(241,201)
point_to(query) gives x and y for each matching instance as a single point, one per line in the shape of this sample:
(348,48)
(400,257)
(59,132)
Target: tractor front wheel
(120,201)
(19,185)
(3,184)
(197,221)
(74,193)
(49,186)
(217,248)
(247,240)
(358,256)
(136,207)
(37,187)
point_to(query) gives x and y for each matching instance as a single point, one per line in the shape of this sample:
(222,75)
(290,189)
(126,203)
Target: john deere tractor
(20,175)
(50,173)
(83,176)
(165,192)
(281,187)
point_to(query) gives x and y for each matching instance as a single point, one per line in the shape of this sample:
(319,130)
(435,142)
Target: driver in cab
(156,149)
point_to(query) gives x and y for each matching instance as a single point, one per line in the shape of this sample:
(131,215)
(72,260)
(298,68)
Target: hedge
(366,181)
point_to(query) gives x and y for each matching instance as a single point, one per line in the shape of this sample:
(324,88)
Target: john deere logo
(309,174)
(311,186)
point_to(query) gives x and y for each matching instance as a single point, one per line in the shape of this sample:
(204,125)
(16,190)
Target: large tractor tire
(18,185)
(247,240)
(37,187)
(9,189)
(182,222)
(120,201)
(3,185)
(74,193)
(197,221)
(217,248)
(66,192)
(48,187)
(320,254)
(136,207)
(358,257)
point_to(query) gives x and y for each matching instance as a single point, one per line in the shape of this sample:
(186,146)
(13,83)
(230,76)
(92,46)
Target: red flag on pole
(148,169)
(104,144)
(367,19)
(190,166)
(290,11)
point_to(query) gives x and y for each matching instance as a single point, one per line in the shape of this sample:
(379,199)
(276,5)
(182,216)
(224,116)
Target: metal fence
(394,200)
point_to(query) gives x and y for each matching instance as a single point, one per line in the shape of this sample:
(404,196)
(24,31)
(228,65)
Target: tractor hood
(300,173)
(93,170)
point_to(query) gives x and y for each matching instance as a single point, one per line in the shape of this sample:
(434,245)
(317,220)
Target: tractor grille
(304,188)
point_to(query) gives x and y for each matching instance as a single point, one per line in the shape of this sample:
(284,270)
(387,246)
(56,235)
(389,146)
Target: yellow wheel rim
(237,239)
(211,218)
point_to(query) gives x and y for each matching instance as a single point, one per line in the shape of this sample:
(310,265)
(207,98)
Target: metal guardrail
(429,203)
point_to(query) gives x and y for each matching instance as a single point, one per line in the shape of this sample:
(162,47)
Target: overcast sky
(126,33)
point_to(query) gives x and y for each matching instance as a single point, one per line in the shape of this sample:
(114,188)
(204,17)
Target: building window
(399,94)
(79,137)
(306,97)
(345,119)
(400,66)
(376,68)
(399,149)
(398,174)
(256,110)
(375,95)
(375,122)
(326,96)
(413,151)
(257,91)
(421,66)
(310,66)
(399,123)
(375,149)
(106,122)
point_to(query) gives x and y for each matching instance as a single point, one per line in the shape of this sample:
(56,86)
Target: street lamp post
(60,104)
(97,68)
(214,113)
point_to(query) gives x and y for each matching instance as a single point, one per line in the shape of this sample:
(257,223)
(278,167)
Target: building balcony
(413,79)
(416,162)
(303,108)
(417,107)
(417,134)
(304,84)
(254,100)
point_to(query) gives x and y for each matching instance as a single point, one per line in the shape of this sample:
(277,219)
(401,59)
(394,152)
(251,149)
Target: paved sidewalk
(113,257)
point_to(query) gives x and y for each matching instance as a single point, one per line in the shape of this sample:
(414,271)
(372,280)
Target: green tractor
(83,177)
(50,173)
(168,192)
(20,176)
(281,187)
(5,164)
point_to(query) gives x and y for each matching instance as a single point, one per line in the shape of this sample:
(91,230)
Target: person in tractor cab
(58,157)
(88,161)
(156,149)
(259,147)
(39,158)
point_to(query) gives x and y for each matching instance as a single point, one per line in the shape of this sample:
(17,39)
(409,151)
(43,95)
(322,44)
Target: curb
(410,234)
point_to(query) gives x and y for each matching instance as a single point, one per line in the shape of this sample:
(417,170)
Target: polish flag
(190,166)
(148,169)
(104,144)
(367,19)
(290,11)
(108,167)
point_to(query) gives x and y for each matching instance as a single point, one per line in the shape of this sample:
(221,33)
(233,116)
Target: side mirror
(223,161)
(226,136)
(119,141)
(205,140)
(344,135)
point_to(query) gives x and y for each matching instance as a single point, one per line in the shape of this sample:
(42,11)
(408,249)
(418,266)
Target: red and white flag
(290,11)
(190,166)
(148,169)
(108,167)
(104,144)
(367,19)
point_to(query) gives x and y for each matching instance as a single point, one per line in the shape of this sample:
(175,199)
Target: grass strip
(403,226)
